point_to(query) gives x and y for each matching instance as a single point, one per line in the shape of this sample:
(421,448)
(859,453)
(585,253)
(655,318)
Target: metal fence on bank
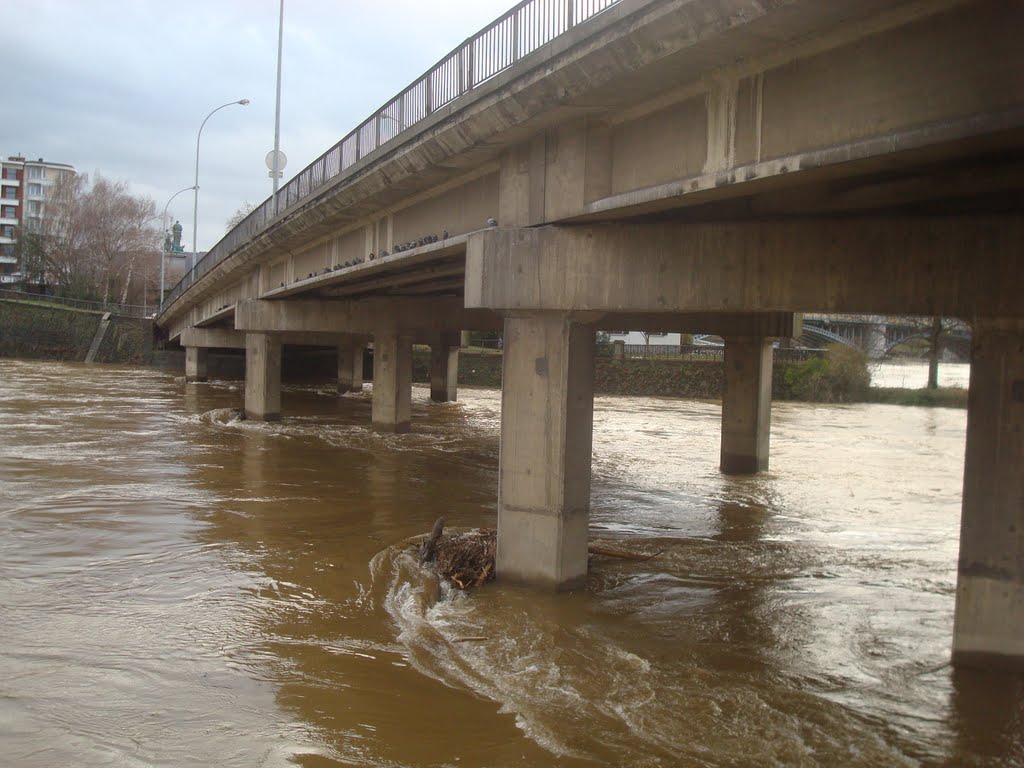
(521,31)
(695,352)
(123,310)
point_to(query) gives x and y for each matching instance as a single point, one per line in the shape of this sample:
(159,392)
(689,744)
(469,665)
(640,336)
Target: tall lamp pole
(276,170)
(195,204)
(163,257)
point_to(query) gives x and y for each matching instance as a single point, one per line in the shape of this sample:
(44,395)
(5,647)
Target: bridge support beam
(262,376)
(989,621)
(350,367)
(547,415)
(444,367)
(392,382)
(746,405)
(195,364)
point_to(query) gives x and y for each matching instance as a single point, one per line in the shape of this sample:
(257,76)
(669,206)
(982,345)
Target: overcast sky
(120,87)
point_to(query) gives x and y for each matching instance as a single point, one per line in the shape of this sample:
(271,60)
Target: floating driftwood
(466,559)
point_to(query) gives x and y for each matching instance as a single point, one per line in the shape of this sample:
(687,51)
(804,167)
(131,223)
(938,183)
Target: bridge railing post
(515,36)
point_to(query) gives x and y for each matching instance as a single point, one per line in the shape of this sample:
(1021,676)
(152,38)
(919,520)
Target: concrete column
(746,404)
(262,376)
(392,382)
(547,415)
(195,363)
(444,368)
(350,367)
(989,621)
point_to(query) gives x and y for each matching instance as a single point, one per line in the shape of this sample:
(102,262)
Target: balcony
(11,220)
(10,182)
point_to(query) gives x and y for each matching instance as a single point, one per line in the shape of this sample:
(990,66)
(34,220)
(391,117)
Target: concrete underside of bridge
(696,166)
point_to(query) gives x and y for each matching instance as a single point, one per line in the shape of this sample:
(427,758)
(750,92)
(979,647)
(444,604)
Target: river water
(180,588)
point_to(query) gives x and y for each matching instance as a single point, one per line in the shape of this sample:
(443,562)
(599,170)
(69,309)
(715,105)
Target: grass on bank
(943,397)
(53,305)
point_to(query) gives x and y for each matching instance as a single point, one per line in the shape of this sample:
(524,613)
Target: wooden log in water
(429,547)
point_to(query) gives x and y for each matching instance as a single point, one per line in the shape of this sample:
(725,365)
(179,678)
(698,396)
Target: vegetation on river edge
(840,376)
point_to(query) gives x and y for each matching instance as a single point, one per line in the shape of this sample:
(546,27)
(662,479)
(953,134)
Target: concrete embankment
(51,332)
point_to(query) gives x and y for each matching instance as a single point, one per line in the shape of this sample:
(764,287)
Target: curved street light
(195,204)
(163,257)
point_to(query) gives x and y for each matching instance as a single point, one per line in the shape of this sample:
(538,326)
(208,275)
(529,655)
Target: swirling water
(181,588)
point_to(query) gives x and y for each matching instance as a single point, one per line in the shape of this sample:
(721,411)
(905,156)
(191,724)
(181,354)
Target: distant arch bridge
(880,336)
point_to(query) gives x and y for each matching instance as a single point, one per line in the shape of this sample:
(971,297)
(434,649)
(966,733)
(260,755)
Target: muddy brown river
(180,588)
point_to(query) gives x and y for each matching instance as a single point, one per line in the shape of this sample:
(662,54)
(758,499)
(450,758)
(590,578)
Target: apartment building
(24,188)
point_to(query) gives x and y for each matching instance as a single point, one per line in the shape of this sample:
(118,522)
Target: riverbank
(37,331)
(943,397)
(46,332)
(841,376)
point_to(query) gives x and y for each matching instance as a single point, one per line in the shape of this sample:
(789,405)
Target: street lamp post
(163,253)
(195,204)
(276,170)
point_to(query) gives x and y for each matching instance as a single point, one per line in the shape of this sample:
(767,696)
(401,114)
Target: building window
(35,172)
(35,189)
(11,173)
(9,212)
(33,224)
(7,249)
(7,231)
(33,207)
(10,193)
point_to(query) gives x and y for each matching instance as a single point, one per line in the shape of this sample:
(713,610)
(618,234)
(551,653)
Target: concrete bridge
(707,166)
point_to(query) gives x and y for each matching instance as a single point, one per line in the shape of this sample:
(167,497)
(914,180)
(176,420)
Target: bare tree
(236,218)
(937,334)
(92,238)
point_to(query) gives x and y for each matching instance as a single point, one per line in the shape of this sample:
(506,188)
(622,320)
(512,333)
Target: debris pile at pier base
(464,559)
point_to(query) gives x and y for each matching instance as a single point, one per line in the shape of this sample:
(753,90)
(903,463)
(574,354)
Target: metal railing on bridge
(522,30)
(123,310)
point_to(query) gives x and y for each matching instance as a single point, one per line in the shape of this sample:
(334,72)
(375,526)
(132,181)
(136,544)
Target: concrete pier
(350,367)
(547,415)
(746,405)
(989,621)
(444,367)
(262,376)
(392,382)
(195,364)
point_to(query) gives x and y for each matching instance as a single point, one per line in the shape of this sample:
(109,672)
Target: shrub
(841,376)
